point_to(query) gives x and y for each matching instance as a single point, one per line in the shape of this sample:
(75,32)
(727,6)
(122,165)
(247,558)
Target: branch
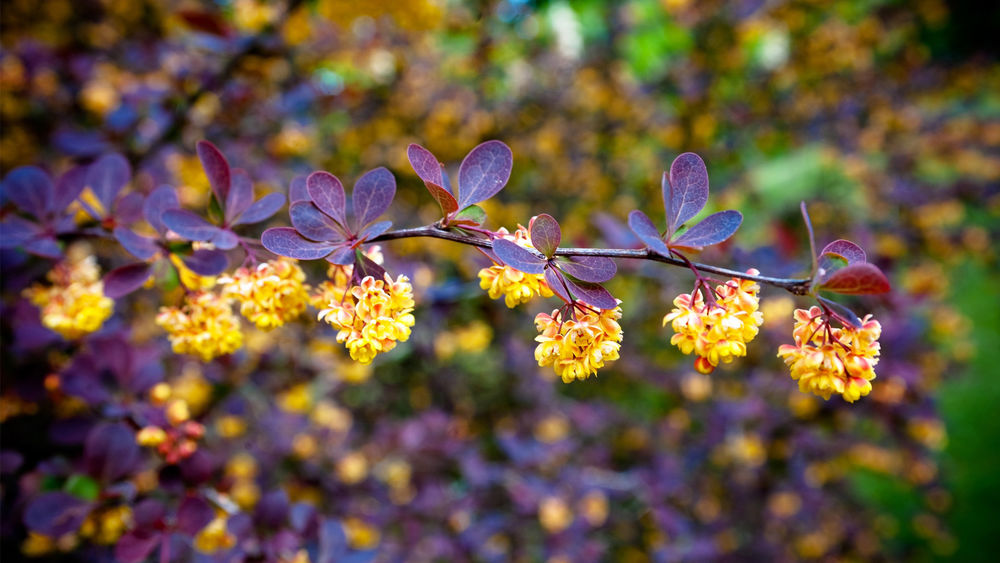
(797,286)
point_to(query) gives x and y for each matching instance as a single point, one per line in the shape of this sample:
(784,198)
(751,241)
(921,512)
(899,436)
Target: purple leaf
(272,510)
(857,279)
(148,513)
(111,452)
(850,251)
(592,294)
(68,188)
(342,256)
(713,229)
(374,230)
(614,231)
(205,262)
(188,225)
(444,199)
(216,168)
(297,190)
(842,313)
(240,195)
(372,195)
(141,247)
(484,172)
(128,208)
(160,200)
(16,231)
(545,234)
(685,193)
(647,232)
(364,267)
(45,246)
(107,176)
(426,165)
(225,239)
(30,188)
(136,545)
(126,279)
(312,223)
(55,514)
(554,278)
(518,258)
(589,268)
(327,192)
(193,514)
(286,241)
(261,210)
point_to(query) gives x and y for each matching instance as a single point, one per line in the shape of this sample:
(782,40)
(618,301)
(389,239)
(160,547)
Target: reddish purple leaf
(685,193)
(545,234)
(647,232)
(374,230)
(16,231)
(826,265)
(484,172)
(272,510)
(850,251)
(841,313)
(193,514)
(592,294)
(342,256)
(713,229)
(286,241)
(111,452)
(425,164)
(30,188)
(518,258)
(372,195)
(68,188)
(444,198)
(128,208)
(136,545)
(126,279)
(364,267)
(107,176)
(857,279)
(594,269)
(554,278)
(205,262)
(148,513)
(312,223)
(137,245)
(297,190)
(261,210)
(216,168)
(188,225)
(160,200)
(326,191)
(240,195)
(56,514)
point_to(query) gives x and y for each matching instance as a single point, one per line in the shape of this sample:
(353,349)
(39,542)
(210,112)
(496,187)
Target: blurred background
(883,115)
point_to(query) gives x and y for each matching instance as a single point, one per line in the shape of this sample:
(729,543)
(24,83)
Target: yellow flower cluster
(577,348)
(215,536)
(827,360)
(516,286)
(372,316)
(720,332)
(75,304)
(204,326)
(271,294)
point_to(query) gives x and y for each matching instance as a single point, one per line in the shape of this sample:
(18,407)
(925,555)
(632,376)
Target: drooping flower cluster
(717,332)
(577,348)
(372,316)
(515,286)
(271,294)
(75,304)
(826,360)
(204,326)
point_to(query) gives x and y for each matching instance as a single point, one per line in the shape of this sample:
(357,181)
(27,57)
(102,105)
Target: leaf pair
(325,224)
(842,267)
(482,174)
(233,190)
(685,193)
(571,278)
